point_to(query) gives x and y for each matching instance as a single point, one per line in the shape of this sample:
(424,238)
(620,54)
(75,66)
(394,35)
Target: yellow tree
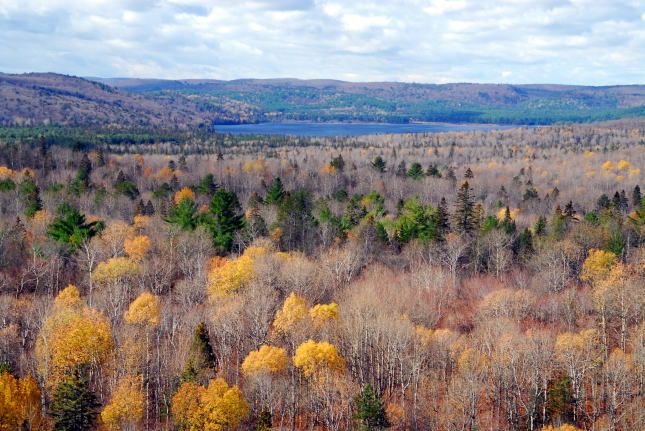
(321,313)
(184,193)
(597,265)
(115,270)
(73,336)
(20,403)
(565,427)
(229,277)
(218,407)
(125,409)
(317,358)
(266,360)
(10,417)
(293,312)
(144,314)
(144,310)
(137,247)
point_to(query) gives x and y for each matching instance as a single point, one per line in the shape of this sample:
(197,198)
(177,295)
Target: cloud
(595,42)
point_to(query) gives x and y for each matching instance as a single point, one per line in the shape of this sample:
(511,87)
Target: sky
(586,42)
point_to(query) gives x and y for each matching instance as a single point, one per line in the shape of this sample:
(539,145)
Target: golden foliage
(20,403)
(266,360)
(125,406)
(315,358)
(7,173)
(230,276)
(115,269)
(608,166)
(507,302)
(571,348)
(328,170)
(623,164)
(72,336)
(144,310)
(320,313)
(215,408)
(293,311)
(137,247)
(597,265)
(184,193)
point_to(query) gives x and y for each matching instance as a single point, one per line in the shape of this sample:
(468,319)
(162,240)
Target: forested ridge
(187,280)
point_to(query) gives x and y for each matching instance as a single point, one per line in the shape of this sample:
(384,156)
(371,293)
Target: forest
(188,280)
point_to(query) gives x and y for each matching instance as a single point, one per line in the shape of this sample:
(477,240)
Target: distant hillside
(47,98)
(331,100)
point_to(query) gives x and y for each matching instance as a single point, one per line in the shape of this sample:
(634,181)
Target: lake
(347,129)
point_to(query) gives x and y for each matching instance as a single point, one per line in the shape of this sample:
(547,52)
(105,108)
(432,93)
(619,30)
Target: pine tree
(637,197)
(74,405)
(201,351)
(415,171)
(207,185)
(224,219)
(401,170)
(464,217)
(149,209)
(182,163)
(469,174)
(139,208)
(539,228)
(338,162)
(100,158)
(378,164)
(185,215)
(441,218)
(370,411)
(275,192)
(84,171)
(603,202)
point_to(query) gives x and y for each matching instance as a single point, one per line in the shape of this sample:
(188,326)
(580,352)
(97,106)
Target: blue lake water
(346,129)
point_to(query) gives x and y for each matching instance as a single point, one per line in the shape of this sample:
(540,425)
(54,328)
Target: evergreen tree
(31,193)
(637,197)
(370,411)
(207,185)
(450,175)
(224,219)
(139,208)
(275,192)
(415,171)
(182,163)
(508,224)
(603,202)
(464,218)
(378,164)
(338,162)
(539,228)
(71,228)
(171,165)
(185,215)
(441,218)
(401,170)
(149,209)
(200,356)
(265,421)
(84,171)
(432,171)
(354,213)
(74,405)
(469,174)
(174,182)
(297,222)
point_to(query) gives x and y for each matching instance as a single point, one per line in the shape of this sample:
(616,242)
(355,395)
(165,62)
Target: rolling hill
(46,98)
(330,100)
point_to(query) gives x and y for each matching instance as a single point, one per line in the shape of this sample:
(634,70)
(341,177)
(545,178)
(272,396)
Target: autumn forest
(188,280)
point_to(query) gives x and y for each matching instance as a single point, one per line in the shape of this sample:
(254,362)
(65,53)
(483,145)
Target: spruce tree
(464,217)
(74,405)
(469,174)
(378,164)
(370,411)
(224,219)
(637,197)
(441,218)
(149,209)
(200,355)
(275,192)
(415,171)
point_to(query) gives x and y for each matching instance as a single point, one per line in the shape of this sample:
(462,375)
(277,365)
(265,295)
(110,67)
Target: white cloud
(563,41)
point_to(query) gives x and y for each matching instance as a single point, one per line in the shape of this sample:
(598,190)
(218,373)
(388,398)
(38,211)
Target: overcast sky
(592,42)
